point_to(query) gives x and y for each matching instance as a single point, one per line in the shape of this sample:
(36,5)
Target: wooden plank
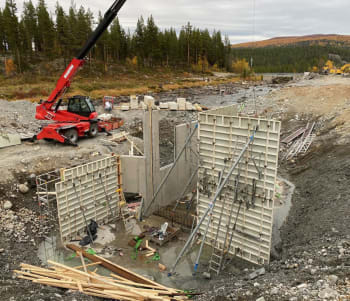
(88,265)
(118,286)
(125,273)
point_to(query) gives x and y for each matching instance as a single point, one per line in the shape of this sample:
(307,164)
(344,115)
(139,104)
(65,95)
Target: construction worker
(108,106)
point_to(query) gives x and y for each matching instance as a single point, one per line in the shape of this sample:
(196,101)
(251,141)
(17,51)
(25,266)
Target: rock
(7,205)
(260,299)
(256,284)
(302,286)
(274,291)
(206,275)
(257,273)
(32,181)
(332,279)
(313,271)
(328,293)
(2,250)
(23,188)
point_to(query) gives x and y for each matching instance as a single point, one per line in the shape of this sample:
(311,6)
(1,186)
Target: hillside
(294,54)
(317,39)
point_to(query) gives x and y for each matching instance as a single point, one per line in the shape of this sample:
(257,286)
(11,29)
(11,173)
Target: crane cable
(251,58)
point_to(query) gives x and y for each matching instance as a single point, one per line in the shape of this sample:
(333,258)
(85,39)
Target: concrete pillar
(151,152)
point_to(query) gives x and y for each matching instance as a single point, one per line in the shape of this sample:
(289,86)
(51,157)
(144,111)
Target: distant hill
(294,54)
(316,39)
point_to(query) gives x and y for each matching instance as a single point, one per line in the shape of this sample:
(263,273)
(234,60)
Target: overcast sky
(232,17)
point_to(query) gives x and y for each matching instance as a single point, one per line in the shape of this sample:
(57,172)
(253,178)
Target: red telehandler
(80,118)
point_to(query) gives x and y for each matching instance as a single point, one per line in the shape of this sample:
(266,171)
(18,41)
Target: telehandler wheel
(93,130)
(71,135)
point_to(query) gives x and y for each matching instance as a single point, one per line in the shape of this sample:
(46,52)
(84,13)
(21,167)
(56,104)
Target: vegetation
(291,58)
(36,37)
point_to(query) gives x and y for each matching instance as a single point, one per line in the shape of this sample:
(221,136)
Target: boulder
(23,188)
(7,205)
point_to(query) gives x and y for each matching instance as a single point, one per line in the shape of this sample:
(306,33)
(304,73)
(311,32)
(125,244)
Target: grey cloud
(234,17)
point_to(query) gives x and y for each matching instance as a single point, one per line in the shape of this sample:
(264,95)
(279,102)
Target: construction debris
(302,144)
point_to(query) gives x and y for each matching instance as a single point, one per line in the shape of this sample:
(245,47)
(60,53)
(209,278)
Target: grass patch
(122,84)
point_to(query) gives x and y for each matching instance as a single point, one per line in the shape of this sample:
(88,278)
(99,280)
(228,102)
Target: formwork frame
(220,138)
(88,192)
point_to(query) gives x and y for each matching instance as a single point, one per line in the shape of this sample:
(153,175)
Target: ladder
(219,253)
(125,214)
(307,143)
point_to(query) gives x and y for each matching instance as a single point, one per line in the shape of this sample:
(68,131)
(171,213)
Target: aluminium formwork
(90,191)
(221,139)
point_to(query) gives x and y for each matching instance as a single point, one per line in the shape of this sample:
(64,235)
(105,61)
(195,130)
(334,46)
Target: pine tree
(46,32)
(11,30)
(188,35)
(118,41)
(138,41)
(2,34)
(151,42)
(29,20)
(62,33)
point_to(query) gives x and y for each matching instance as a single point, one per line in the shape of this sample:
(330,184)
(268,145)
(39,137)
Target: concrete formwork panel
(134,174)
(221,139)
(85,190)
(9,140)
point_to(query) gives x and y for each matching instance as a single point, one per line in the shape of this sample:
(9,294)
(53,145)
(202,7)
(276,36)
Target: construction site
(236,202)
(232,191)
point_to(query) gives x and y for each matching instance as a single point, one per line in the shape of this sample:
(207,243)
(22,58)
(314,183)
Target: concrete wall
(134,174)
(143,174)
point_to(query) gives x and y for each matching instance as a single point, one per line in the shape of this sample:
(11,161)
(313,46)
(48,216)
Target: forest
(38,35)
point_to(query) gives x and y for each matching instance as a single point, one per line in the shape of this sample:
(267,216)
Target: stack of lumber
(90,283)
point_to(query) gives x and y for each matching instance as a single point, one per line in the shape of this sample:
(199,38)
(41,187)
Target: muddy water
(240,95)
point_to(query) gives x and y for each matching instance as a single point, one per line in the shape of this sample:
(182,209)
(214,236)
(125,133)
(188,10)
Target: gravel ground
(312,262)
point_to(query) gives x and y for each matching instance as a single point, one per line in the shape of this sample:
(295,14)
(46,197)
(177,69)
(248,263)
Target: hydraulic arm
(45,110)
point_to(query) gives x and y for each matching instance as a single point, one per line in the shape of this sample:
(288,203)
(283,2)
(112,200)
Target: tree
(29,19)
(62,32)
(118,41)
(46,32)
(241,67)
(10,22)
(11,31)
(138,42)
(2,34)
(151,34)
(188,34)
